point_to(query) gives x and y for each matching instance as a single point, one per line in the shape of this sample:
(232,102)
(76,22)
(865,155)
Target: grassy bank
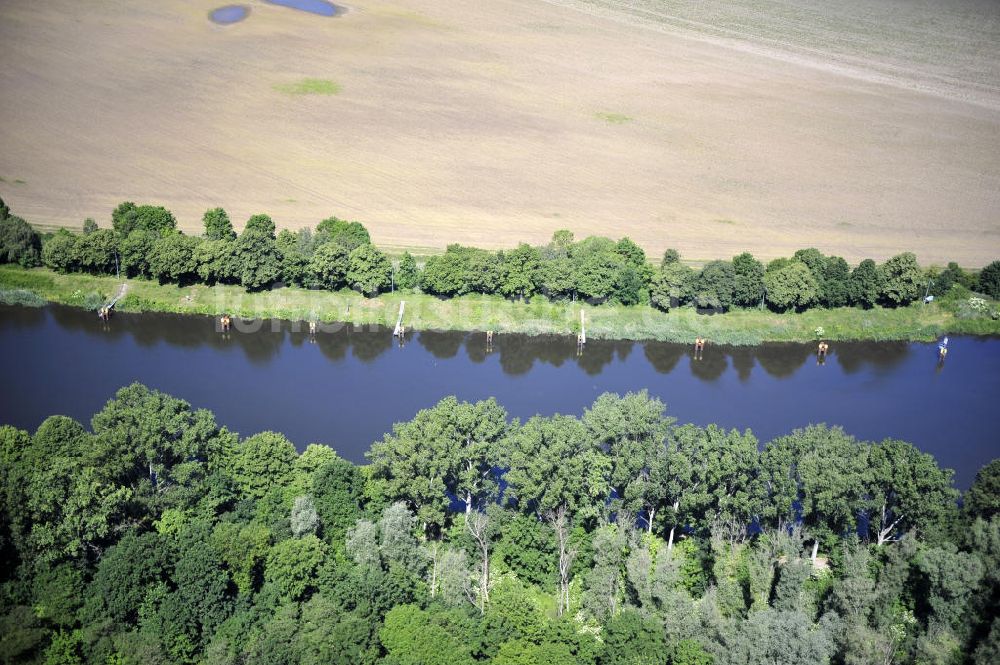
(423,312)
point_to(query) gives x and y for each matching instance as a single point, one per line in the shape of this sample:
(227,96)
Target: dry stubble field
(712,127)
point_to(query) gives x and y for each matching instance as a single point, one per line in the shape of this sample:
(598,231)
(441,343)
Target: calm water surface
(229,14)
(347,388)
(319,7)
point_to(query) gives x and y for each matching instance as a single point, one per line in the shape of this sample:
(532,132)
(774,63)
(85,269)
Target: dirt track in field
(491,123)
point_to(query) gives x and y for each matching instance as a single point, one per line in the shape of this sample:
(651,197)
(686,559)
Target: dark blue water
(347,388)
(319,7)
(229,14)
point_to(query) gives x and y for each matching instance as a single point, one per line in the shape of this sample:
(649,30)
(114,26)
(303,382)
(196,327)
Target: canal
(346,387)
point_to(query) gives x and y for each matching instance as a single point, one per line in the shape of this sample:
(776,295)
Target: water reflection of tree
(852,357)
(475,347)
(743,361)
(517,356)
(623,350)
(298,339)
(78,320)
(662,356)
(334,345)
(554,349)
(597,355)
(782,360)
(710,366)
(367,344)
(18,318)
(259,347)
(518,353)
(259,340)
(441,344)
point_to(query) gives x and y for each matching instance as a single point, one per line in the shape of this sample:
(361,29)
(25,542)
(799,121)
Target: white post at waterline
(399,321)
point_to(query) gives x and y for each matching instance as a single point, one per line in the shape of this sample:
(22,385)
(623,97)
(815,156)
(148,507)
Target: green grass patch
(613,118)
(15,277)
(309,86)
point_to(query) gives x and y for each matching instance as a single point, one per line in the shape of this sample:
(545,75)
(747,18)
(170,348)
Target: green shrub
(21,297)
(973,307)
(91,300)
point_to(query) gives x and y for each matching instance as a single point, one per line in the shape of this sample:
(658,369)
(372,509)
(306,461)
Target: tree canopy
(19,243)
(597,269)
(158,536)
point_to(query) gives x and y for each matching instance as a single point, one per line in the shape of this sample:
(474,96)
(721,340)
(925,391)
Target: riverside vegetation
(616,537)
(527,289)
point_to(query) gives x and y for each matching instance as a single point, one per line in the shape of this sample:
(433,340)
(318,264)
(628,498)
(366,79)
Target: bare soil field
(863,129)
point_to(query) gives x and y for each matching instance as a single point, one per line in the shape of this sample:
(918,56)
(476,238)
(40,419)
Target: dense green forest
(616,537)
(143,241)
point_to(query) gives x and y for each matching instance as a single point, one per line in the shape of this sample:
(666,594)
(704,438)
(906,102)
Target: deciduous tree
(907,490)
(408,275)
(368,270)
(59,251)
(172,257)
(329,265)
(292,566)
(260,224)
(413,636)
(348,234)
(792,286)
(19,243)
(902,281)
(672,285)
(256,261)
(989,280)
(816,477)
(748,282)
(521,272)
(983,498)
(217,225)
(261,462)
(552,462)
(865,284)
(128,217)
(136,249)
(715,285)
(448,449)
(632,431)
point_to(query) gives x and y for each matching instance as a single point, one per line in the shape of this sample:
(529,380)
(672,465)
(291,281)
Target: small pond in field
(347,385)
(318,7)
(229,14)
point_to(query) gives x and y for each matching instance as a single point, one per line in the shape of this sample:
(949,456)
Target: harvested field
(863,129)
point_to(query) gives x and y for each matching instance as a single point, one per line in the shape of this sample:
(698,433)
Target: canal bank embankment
(918,322)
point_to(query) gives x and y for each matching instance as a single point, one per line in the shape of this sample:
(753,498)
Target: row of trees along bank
(617,537)
(144,242)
